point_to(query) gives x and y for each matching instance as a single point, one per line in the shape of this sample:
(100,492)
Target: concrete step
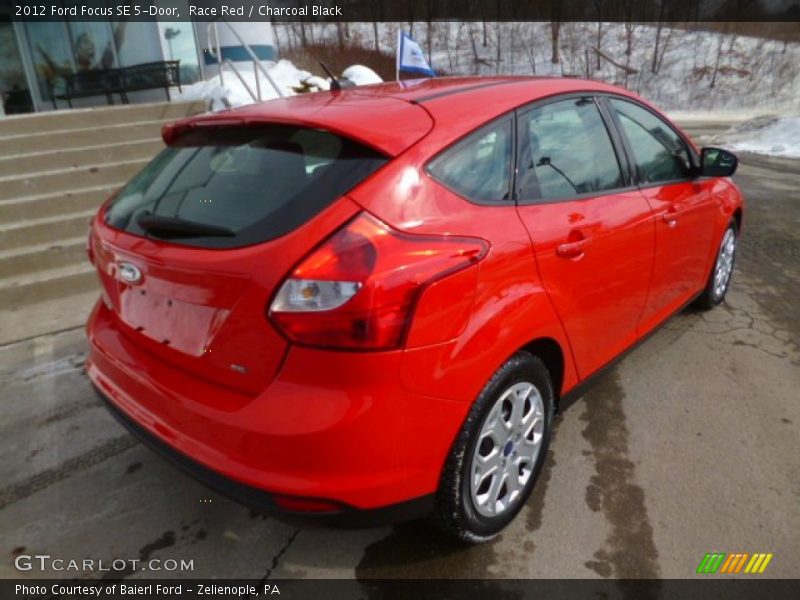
(55,203)
(23,325)
(48,141)
(93,118)
(58,282)
(40,257)
(45,230)
(62,180)
(22,164)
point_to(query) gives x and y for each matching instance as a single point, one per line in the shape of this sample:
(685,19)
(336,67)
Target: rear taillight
(90,245)
(101,211)
(358,289)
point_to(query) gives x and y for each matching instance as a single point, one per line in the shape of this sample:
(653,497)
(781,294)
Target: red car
(368,305)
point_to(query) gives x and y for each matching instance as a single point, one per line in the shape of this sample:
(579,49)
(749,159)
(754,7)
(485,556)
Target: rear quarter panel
(508,306)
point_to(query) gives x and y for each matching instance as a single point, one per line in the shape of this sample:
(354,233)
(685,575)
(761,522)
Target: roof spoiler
(170,132)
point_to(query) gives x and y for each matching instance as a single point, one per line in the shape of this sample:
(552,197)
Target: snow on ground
(735,115)
(361,75)
(231,91)
(767,135)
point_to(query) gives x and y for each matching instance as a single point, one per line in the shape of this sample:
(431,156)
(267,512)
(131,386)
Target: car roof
(392,116)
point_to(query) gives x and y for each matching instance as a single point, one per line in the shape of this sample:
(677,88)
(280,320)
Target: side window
(660,153)
(479,167)
(565,151)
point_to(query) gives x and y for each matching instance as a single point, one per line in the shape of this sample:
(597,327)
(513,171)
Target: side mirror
(716,162)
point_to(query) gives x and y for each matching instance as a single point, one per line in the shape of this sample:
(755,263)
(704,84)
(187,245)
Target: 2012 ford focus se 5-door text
(368,305)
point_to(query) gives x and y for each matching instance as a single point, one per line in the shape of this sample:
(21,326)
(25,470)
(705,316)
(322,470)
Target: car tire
(495,434)
(719,279)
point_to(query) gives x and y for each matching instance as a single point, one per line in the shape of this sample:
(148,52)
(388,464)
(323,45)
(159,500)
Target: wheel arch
(549,351)
(737,217)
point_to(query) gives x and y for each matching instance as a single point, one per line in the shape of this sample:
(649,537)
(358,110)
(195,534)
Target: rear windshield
(239,186)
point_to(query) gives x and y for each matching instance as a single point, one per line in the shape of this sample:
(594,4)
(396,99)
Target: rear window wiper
(174,227)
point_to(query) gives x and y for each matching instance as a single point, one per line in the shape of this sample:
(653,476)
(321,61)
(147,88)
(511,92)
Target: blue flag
(410,57)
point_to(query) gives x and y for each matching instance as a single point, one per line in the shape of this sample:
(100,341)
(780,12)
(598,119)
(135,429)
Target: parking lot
(688,446)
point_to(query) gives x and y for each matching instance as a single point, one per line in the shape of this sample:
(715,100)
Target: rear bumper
(333,426)
(261,500)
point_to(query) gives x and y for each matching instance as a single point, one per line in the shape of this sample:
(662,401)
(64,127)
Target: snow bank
(361,75)
(771,136)
(230,91)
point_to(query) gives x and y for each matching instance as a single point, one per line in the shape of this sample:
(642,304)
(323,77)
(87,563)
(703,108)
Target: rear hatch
(191,250)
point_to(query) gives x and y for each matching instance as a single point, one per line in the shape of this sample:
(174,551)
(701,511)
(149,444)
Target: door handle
(670,216)
(572,249)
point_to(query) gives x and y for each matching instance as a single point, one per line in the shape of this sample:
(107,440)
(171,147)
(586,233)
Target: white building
(37,57)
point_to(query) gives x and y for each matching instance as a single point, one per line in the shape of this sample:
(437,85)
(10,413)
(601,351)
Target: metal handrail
(257,66)
(227,61)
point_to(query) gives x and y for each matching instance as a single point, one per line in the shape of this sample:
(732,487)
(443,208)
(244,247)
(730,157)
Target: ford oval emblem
(129,273)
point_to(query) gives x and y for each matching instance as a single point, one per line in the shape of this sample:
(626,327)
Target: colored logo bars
(719,562)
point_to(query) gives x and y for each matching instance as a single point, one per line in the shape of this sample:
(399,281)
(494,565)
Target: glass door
(15,97)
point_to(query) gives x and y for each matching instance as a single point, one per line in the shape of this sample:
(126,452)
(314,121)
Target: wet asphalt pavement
(689,445)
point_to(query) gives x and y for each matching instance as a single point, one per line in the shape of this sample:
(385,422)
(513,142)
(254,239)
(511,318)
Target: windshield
(256,183)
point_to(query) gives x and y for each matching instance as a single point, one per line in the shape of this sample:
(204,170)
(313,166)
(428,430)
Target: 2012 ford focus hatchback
(368,305)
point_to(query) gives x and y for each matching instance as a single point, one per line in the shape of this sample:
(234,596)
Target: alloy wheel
(507,449)
(724,266)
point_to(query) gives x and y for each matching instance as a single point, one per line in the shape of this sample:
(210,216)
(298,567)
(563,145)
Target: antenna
(335,85)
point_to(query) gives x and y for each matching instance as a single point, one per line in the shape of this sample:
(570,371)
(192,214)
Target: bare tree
(499,45)
(555,29)
(376,9)
(429,30)
(530,47)
(664,47)
(598,9)
(659,27)
(340,34)
(482,6)
(628,10)
(303,38)
(447,25)
(412,11)
(721,39)
(477,60)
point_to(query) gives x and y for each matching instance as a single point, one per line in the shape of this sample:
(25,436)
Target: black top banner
(403,10)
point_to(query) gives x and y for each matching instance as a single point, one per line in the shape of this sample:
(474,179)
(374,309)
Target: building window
(14,94)
(179,43)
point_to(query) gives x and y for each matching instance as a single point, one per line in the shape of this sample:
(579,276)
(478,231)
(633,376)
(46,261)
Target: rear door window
(478,167)
(232,187)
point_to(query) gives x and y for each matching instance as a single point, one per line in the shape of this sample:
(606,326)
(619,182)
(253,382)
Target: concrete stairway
(55,170)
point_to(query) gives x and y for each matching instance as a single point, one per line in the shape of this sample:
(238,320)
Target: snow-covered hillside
(688,70)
